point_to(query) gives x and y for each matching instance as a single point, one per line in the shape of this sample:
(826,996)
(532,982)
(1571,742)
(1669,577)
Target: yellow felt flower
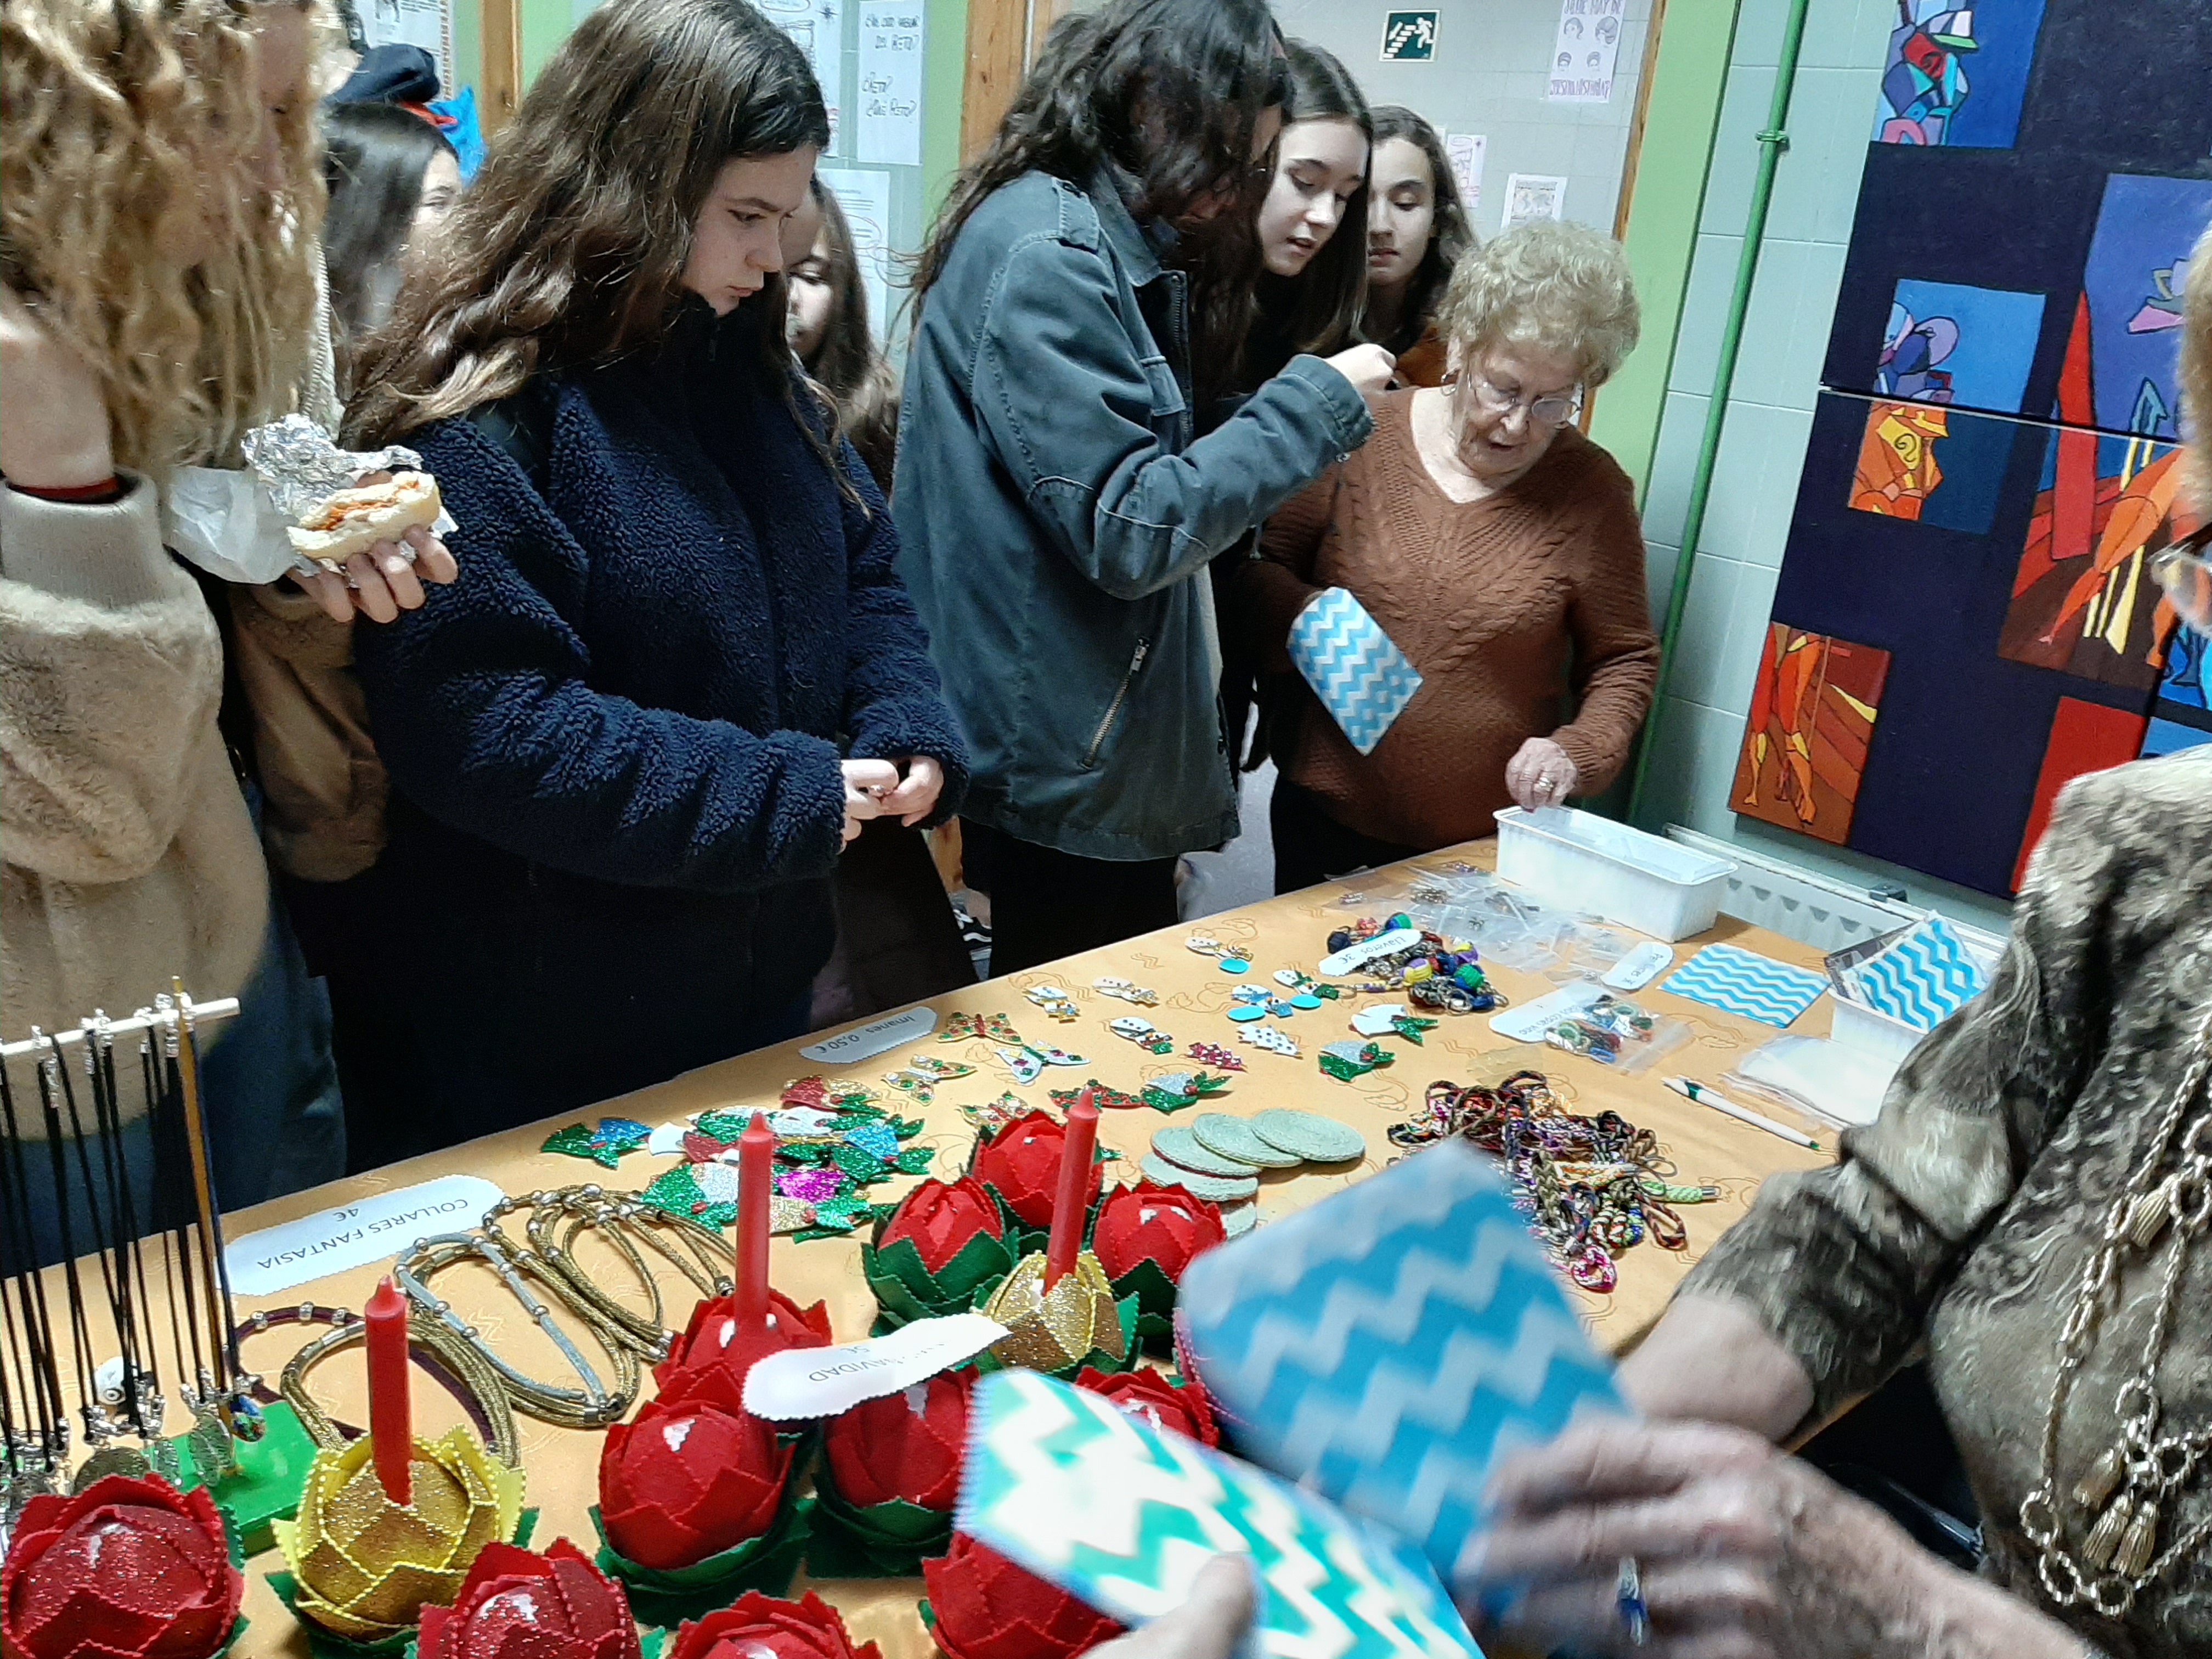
(366,1567)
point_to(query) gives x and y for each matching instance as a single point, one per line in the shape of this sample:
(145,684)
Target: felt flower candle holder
(714,1341)
(762,1627)
(945,1249)
(516,1604)
(363,1568)
(1144,1238)
(1060,1328)
(130,1568)
(1021,1165)
(696,1502)
(889,1479)
(981,1606)
(1180,1405)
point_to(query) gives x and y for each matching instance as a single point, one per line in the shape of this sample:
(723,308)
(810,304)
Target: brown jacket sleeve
(1616,653)
(1279,584)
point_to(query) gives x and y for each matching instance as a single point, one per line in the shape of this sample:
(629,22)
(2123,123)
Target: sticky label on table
(864,1042)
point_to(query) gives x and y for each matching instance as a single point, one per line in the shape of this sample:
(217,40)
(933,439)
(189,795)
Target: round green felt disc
(1309,1135)
(1180,1147)
(1209,1187)
(1233,1137)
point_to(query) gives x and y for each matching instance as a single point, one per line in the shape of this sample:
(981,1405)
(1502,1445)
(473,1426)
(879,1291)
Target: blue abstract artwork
(2138,256)
(1957,75)
(1948,343)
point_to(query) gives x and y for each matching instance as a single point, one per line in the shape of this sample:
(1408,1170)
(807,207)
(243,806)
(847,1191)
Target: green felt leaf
(916,1160)
(1160,1100)
(906,1128)
(327,1645)
(238,1630)
(767,1563)
(575,1141)
(807,1154)
(1148,1282)
(886,1540)
(722,1125)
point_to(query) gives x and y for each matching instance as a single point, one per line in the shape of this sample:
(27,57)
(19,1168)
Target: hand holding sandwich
(380,580)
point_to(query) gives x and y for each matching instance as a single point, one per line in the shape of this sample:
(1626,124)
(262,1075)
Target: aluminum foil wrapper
(301,466)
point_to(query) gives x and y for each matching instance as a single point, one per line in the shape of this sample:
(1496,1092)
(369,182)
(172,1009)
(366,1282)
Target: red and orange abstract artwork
(1813,713)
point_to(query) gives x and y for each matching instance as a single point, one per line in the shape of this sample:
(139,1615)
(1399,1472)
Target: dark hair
(569,247)
(374,156)
(847,363)
(1165,97)
(1449,234)
(1318,310)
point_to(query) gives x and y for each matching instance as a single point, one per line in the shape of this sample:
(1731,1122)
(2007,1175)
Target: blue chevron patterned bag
(1123,1514)
(1360,676)
(1390,1345)
(1922,979)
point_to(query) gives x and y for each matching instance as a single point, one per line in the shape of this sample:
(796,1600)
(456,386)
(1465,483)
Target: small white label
(1354,957)
(864,1040)
(353,1235)
(805,1382)
(1529,1023)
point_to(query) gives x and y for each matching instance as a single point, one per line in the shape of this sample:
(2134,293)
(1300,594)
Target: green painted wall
(1681,119)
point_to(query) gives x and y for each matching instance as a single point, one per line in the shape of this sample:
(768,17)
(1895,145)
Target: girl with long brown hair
(830,331)
(677,671)
(1059,507)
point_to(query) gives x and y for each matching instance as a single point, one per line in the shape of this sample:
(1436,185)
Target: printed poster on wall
(1465,151)
(818,26)
(1582,55)
(1532,196)
(888,130)
(425,23)
(866,199)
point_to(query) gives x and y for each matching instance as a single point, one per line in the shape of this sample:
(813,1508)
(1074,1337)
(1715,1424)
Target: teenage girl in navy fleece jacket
(676,671)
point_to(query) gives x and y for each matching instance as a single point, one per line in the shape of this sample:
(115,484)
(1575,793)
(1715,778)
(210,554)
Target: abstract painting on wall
(1932,465)
(1956,75)
(2138,257)
(1948,343)
(1813,712)
(2083,600)
(2181,718)
(2085,737)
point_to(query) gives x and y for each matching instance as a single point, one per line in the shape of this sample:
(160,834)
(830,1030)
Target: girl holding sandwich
(677,672)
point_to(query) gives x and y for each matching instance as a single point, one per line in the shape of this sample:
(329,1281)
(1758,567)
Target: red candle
(1067,1206)
(755,1171)
(390,1425)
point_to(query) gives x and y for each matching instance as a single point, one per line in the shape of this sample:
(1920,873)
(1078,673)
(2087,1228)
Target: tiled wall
(1488,77)
(1770,415)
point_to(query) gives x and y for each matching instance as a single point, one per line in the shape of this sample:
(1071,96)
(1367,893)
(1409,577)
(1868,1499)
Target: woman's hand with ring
(1742,1552)
(1541,774)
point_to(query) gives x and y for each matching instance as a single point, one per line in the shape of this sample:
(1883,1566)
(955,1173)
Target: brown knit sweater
(1521,611)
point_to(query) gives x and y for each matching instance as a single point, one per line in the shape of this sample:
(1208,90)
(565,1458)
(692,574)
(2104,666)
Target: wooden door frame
(499,85)
(1003,39)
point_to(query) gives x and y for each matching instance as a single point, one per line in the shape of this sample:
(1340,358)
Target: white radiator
(1812,909)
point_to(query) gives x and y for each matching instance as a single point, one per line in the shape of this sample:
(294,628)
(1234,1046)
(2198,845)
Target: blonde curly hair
(2196,372)
(122,123)
(1557,288)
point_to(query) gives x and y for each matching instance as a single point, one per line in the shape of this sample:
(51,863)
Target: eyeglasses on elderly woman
(1553,408)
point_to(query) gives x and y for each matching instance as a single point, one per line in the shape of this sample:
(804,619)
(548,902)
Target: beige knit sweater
(126,853)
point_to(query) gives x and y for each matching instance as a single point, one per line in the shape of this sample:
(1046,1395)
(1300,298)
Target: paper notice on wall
(818,26)
(1530,196)
(888,122)
(425,23)
(866,199)
(1466,150)
(1582,56)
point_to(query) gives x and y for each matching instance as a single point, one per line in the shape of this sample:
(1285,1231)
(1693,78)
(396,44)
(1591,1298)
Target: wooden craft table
(562,1465)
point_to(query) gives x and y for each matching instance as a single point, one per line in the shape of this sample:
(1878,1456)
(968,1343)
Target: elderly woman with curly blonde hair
(1497,547)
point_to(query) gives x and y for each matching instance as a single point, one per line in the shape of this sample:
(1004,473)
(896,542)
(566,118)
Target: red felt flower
(986,1607)
(516,1604)
(1021,1163)
(758,1626)
(904,1445)
(712,1340)
(939,1219)
(1151,1223)
(126,1569)
(689,1480)
(1185,1408)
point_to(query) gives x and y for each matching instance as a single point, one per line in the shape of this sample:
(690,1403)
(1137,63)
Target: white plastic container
(1885,1037)
(1579,861)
